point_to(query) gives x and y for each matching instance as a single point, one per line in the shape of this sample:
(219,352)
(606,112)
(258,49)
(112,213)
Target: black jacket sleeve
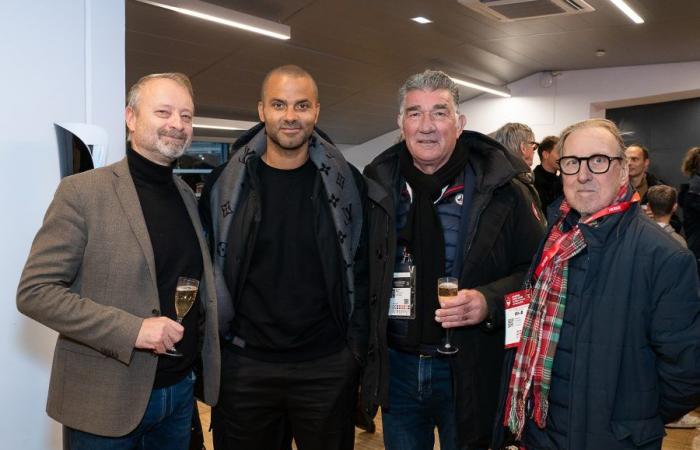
(524,232)
(359,323)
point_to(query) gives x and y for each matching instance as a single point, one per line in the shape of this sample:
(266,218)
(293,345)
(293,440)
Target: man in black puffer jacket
(449,203)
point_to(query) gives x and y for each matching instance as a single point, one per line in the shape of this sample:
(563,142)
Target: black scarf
(423,234)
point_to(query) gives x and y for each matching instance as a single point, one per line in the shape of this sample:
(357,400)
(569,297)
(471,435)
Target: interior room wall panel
(62,62)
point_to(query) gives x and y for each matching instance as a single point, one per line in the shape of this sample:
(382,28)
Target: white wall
(63,62)
(574,95)
(361,155)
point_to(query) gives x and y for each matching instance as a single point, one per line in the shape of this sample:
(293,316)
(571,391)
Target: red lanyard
(552,251)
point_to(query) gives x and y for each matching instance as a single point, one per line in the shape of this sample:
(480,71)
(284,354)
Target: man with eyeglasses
(519,140)
(610,345)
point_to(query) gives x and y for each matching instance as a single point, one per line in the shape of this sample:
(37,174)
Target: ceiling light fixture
(211,123)
(502,92)
(224,16)
(422,20)
(625,8)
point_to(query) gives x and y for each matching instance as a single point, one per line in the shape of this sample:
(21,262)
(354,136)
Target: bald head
(289,70)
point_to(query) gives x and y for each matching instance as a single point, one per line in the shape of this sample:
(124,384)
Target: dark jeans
(420,399)
(261,401)
(166,424)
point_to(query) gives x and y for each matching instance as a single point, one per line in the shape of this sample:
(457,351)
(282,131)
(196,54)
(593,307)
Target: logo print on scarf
(333,200)
(226,209)
(459,199)
(221,248)
(247,154)
(324,168)
(347,211)
(340,180)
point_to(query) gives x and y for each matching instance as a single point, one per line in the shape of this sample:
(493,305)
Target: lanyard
(554,249)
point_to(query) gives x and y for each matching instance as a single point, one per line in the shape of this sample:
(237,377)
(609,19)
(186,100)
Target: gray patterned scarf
(342,194)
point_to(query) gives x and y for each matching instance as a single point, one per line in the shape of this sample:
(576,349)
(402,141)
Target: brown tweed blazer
(91,276)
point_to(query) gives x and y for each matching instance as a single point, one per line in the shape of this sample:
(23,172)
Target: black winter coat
(504,231)
(689,200)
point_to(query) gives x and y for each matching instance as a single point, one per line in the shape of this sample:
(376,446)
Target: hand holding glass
(447,289)
(185,295)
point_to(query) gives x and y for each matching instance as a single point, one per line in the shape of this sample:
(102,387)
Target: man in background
(640,178)
(662,204)
(519,139)
(547,179)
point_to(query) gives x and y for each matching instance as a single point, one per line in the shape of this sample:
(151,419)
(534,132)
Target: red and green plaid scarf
(532,368)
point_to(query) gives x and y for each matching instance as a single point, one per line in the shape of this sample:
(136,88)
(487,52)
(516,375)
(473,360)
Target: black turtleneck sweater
(176,252)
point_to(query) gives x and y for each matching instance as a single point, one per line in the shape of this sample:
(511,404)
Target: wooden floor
(675,439)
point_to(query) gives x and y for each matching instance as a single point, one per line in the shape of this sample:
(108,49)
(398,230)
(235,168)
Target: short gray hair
(512,134)
(429,80)
(132,98)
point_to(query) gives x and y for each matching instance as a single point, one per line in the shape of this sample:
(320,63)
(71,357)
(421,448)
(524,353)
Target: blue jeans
(166,424)
(420,399)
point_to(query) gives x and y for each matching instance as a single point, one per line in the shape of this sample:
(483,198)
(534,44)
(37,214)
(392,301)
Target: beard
(289,142)
(172,148)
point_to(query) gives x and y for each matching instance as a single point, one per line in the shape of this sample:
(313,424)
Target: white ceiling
(360,51)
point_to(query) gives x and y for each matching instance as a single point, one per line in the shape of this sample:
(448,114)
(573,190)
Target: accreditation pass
(402,302)
(516,304)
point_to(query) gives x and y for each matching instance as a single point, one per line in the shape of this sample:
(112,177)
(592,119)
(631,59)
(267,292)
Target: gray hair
(132,98)
(594,123)
(429,80)
(512,134)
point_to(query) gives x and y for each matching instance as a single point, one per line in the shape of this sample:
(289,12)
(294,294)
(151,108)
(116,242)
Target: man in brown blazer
(102,272)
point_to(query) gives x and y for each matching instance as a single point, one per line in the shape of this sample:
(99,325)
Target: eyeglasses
(570,165)
(535,145)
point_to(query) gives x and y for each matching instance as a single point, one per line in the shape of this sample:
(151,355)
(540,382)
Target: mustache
(291,124)
(173,134)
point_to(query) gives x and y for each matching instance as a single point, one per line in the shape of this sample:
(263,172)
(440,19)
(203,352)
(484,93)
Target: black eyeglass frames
(597,164)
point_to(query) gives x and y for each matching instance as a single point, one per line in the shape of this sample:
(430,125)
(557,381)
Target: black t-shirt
(284,312)
(176,252)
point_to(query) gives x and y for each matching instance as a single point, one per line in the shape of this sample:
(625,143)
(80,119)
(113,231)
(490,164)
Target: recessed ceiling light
(625,8)
(422,20)
(502,92)
(224,16)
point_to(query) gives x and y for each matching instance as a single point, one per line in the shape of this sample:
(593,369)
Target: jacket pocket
(640,432)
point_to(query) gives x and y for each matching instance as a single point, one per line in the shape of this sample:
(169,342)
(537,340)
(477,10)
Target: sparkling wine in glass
(185,295)
(447,289)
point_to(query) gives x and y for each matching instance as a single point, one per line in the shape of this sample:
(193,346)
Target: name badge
(402,304)
(516,304)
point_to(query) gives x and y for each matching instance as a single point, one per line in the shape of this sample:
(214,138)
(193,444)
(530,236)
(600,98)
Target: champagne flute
(447,289)
(185,295)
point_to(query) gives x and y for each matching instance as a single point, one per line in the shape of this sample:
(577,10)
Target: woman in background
(689,199)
